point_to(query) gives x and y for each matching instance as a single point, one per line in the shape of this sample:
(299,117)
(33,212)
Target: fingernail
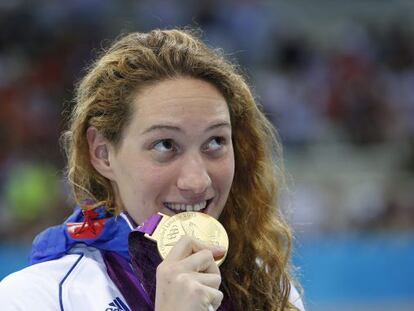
(220,248)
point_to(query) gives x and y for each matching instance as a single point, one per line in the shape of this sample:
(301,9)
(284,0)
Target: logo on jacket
(117,305)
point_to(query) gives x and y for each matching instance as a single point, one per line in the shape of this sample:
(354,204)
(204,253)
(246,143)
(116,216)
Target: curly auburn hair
(256,272)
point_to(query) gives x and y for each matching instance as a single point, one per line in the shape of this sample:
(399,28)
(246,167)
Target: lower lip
(204,210)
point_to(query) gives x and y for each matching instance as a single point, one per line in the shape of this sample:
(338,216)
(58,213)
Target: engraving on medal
(214,238)
(170,234)
(192,230)
(173,233)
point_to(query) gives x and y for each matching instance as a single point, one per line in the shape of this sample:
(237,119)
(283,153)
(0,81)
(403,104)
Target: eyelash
(170,141)
(221,141)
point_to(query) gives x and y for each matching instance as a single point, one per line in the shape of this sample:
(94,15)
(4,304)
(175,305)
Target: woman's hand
(189,278)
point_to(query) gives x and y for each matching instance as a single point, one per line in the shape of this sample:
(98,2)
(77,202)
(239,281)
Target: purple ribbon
(150,224)
(121,273)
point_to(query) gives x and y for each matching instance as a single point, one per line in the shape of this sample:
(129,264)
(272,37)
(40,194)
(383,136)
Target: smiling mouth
(182,207)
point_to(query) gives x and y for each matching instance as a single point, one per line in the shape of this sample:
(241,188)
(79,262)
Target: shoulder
(295,298)
(53,284)
(37,285)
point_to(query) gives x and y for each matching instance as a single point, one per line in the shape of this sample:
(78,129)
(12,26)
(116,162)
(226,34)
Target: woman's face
(176,154)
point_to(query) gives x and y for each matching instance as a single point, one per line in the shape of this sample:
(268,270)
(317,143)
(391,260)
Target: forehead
(178,98)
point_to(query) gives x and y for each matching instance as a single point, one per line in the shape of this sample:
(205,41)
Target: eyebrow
(178,129)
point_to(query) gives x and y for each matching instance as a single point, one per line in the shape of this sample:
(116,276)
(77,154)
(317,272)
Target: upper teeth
(187,207)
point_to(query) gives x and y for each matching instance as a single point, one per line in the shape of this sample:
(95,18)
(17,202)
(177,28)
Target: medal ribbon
(121,273)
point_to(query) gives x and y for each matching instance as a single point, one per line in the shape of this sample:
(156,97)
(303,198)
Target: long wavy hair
(256,272)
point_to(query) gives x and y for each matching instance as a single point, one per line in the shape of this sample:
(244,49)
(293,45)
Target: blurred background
(335,77)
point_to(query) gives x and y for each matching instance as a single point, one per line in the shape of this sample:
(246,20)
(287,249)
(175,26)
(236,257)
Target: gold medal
(194,224)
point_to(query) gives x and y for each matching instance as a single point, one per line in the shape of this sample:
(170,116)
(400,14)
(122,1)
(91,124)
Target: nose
(194,177)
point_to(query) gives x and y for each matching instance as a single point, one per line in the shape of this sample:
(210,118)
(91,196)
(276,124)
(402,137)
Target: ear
(99,149)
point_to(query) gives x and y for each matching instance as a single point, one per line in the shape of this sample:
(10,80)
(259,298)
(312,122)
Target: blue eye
(165,145)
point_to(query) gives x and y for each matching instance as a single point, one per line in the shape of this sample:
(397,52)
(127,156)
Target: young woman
(162,123)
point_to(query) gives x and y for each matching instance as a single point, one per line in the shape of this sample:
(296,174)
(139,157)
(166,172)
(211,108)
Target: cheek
(132,178)
(225,174)
(156,179)
(146,187)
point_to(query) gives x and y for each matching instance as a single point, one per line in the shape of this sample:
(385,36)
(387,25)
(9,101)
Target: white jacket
(76,281)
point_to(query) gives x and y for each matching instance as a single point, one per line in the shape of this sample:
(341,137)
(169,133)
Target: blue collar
(56,241)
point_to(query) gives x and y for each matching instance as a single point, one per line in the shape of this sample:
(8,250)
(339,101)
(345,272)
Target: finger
(207,279)
(184,248)
(218,251)
(188,245)
(215,297)
(202,261)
